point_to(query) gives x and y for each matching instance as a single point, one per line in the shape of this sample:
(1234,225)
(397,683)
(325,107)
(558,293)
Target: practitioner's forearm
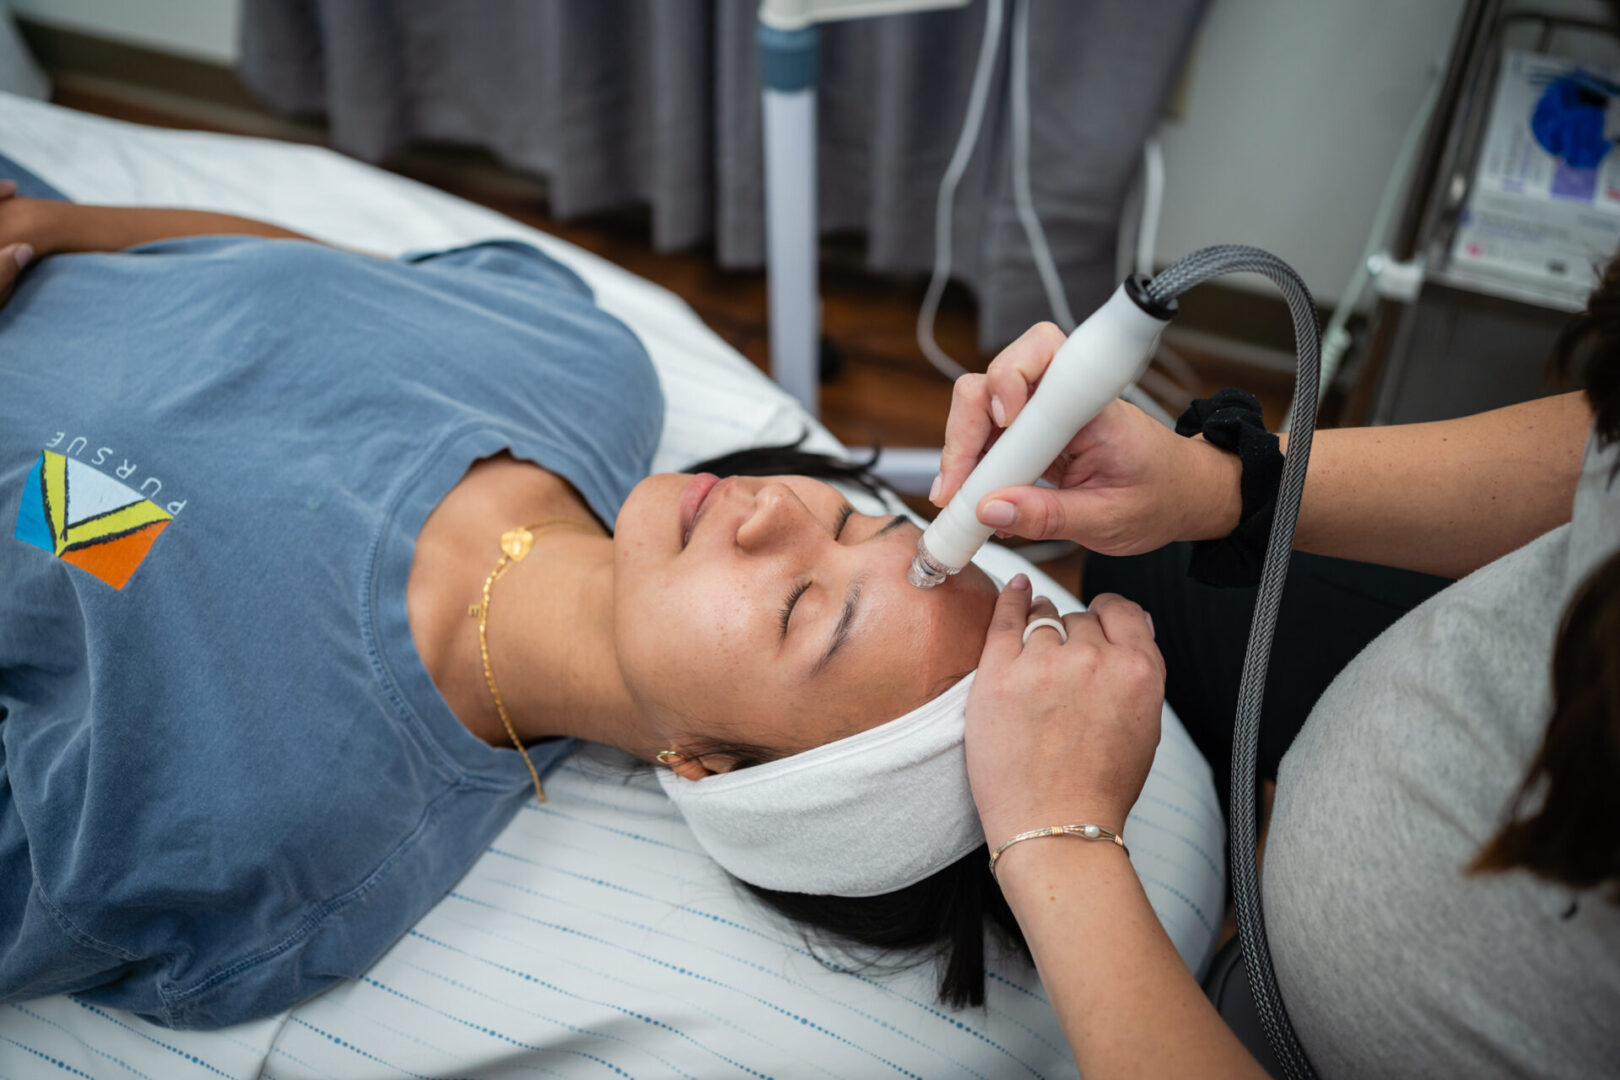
(1128,1005)
(1446,497)
(71,227)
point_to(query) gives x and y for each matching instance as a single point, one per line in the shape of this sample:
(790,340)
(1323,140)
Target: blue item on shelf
(1568,121)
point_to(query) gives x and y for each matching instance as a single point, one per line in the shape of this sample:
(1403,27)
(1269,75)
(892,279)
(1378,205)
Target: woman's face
(765,611)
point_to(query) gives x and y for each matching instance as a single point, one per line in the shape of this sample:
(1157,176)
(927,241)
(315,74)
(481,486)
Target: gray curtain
(19,73)
(621,101)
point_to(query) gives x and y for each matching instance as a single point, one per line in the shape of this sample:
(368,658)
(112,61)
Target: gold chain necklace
(515,544)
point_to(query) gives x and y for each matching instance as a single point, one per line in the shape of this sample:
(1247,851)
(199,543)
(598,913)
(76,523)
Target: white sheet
(593,938)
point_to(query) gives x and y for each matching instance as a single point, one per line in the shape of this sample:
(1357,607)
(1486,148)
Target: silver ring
(1055,624)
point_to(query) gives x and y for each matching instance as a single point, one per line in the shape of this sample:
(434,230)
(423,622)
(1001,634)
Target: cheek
(685,639)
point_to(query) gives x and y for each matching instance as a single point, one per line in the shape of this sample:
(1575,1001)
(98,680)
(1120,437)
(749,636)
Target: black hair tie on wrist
(1231,420)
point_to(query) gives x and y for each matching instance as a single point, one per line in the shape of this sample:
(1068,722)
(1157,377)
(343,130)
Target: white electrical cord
(1147,229)
(977,95)
(1022,199)
(1336,338)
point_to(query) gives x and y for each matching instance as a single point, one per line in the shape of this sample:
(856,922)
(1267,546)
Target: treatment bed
(594,937)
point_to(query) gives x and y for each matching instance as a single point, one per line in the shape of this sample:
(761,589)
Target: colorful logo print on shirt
(86,518)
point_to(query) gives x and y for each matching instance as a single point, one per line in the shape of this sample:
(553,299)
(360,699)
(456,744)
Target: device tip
(925,573)
(920,576)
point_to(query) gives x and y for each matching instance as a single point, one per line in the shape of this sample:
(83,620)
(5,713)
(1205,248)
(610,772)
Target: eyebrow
(894,523)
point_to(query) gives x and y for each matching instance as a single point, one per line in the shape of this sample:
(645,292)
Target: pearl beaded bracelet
(1084,832)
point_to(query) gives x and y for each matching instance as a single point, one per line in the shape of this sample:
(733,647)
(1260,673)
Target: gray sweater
(1392,962)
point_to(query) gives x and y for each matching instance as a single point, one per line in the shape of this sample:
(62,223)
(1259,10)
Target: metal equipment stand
(789,41)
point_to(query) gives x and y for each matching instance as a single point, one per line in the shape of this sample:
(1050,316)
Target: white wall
(1294,114)
(201,29)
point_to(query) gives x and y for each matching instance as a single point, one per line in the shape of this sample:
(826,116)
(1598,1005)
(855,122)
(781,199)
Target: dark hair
(791,459)
(944,917)
(1573,836)
(1589,346)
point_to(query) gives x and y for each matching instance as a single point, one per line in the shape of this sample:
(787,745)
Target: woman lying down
(320,562)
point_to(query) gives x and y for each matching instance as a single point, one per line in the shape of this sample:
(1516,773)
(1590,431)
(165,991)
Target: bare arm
(1443,497)
(1127,1003)
(57,228)
(34,228)
(1062,731)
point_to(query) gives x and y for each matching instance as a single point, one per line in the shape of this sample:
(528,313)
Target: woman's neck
(551,644)
(549,625)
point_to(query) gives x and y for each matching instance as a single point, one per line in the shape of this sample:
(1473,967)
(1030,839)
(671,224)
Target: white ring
(1055,624)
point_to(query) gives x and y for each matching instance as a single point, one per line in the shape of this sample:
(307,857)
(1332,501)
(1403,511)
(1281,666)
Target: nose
(780,521)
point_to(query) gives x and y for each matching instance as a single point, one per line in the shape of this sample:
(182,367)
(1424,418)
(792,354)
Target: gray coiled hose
(1174,280)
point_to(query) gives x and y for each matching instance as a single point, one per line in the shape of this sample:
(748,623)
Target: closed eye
(787,608)
(844,514)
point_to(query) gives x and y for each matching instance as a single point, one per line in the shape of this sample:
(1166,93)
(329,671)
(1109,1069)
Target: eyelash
(793,598)
(803,586)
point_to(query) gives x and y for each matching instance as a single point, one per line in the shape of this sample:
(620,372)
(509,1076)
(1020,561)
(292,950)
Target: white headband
(862,816)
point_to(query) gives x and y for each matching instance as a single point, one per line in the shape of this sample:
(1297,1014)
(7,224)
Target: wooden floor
(884,392)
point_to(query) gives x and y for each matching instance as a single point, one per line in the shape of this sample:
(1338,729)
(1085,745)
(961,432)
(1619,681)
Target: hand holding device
(1122,485)
(1103,356)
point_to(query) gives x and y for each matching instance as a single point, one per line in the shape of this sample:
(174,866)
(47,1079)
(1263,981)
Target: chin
(651,501)
(648,529)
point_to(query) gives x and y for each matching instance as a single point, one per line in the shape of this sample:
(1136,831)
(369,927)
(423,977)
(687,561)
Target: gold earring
(670,757)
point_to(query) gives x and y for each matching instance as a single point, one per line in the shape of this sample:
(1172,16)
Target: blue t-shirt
(226,778)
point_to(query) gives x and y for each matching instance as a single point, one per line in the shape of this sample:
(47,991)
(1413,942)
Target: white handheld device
(1104,355)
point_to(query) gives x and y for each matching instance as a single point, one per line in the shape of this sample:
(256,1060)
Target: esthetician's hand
(1123,485)
(1062,733)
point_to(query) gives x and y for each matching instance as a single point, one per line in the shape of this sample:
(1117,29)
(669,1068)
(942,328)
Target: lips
(697,489)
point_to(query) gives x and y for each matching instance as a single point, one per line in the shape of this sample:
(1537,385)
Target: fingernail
(1150,626)
(998,411)
(1019,581)
(998,513)
(22,253)
(933,491)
